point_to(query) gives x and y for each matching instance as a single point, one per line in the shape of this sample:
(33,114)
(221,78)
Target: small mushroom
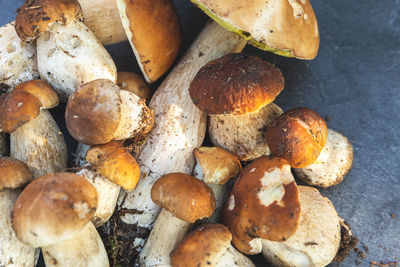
(208,245)
(13,174)
(99,112)
(134,83)
(320,157)
(184,200)
(236,91)
(54,212)
(317,238)
(68,52)
(216,166)
(34,135)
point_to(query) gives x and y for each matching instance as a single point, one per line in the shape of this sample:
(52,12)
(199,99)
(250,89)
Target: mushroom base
(232,258)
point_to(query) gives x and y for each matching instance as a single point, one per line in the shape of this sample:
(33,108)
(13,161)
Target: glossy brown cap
(18,108)
(134,83)
(154,32)
(186,197)
(93,112)
(37,16)
(264,203)
(53,208)
(202,247)
(217,164)
(298,136)
(115,163)
(13,173)
(236,84)
(42,90)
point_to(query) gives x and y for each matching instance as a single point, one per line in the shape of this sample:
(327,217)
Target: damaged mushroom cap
(264,203)
(186,197)
(317,238)
(134,83)
(236,84)
(154,33)
(287,28)
(14,173)
(42,90)
(298,136)
(202,247)
(115,163)
(217,165)
(37,16)
(52,208)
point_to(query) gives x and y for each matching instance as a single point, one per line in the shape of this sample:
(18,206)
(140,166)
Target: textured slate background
(355,81)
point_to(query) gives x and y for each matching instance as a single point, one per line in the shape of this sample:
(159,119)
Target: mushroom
(99,112)
(236,91)
(112,167)
(216,166)
(34,135)
(53,212)
(134,83)
(68,53)
(320,157)
(317,238)
(208,245)
(184,200)
(13,252)
(263,204)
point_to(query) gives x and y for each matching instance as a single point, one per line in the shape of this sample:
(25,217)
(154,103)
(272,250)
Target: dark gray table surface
(355,82)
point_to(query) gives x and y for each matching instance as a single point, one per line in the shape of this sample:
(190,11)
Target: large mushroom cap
(37,16)
(115,163)
(298,136)
(13,173)
(236,84)
(53,207)
(186,197)
(285,27)
(42,90)
(202,247)
(264,203)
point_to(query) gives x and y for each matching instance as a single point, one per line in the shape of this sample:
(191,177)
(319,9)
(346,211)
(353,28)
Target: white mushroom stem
(85,248)
(232,257)
(70,55)
(13,253)
(243,135)
(3,144)
(288,256)
(166,234)
(107,193)
(179,125)
(40,145)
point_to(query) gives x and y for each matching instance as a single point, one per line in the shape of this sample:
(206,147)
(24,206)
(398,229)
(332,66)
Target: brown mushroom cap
(53,207)
(93,112)
(236,84)
(37,16)
(202,247)
(217,164)
(134,83)
(115,163)
(298,136)
(18,108)
(186,197)
(13,173)
(154,32)
(264,203)
(42,90)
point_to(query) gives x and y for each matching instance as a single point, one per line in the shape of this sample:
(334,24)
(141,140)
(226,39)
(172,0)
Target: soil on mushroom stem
(347,243)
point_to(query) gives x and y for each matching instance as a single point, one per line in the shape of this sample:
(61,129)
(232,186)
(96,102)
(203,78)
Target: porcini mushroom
(134,83)
(13,174)
(317,238)
(320,157)
(208,245)
(184,200)
(263,204)
(68,52)
(237,91)
(54,212)
(99,112)
(34,135)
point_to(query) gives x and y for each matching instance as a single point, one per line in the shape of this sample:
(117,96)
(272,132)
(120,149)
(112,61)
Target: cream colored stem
(233,258)
(167,232)
(221,194)
(40,144)
(179,125)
